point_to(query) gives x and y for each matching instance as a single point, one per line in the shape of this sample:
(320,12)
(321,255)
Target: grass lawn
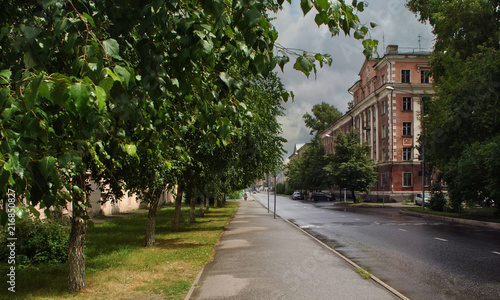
(118,266)
(487,214)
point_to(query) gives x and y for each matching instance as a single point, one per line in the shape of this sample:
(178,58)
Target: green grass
(486,214)
(363,273)
(118,266)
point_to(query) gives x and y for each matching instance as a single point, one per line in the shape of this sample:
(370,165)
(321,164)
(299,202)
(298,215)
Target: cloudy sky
(396,25)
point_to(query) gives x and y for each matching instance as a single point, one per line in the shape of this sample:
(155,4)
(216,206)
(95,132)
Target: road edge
(353,264)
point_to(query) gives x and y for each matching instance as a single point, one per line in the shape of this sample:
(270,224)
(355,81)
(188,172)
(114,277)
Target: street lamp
(392,89)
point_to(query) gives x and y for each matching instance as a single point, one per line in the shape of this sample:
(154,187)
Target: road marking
(440,239)
(402,229)
(495,252)
(358,219)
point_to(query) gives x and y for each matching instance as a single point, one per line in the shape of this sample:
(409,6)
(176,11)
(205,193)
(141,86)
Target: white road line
(440,239)
(402,229)
(495,252)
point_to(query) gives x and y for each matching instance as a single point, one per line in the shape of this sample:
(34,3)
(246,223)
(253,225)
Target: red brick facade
(389,119)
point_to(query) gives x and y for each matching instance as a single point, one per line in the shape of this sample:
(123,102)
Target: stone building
(386,111)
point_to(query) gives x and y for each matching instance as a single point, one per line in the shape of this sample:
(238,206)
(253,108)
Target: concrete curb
(356,266)
(450,219)
(193,286)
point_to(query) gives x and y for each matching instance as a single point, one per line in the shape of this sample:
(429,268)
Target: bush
(38,241)
(438,199)
(280,188)
(289,191)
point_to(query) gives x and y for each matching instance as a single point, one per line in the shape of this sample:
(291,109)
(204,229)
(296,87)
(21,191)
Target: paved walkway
(260,257)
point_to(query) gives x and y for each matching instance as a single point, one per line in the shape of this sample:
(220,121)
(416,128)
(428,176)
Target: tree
(350,166)
(306,171)
(80,79)
(461,121)
(324,115)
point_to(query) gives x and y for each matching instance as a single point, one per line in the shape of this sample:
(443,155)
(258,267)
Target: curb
(356,266)
(491,225)
(193,286)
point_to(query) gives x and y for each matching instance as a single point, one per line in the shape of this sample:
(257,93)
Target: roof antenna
(419,39)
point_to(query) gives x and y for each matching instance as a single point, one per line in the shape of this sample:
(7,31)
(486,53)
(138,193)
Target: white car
(418,198)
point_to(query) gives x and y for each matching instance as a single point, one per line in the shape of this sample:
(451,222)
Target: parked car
(418,198)
(487,202)
(320,196)
(297,196)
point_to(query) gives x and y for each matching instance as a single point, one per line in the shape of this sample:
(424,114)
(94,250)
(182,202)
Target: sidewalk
(260,257)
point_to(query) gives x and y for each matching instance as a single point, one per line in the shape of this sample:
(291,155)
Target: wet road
(423,259)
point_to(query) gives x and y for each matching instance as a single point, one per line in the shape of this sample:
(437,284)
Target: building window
(424,76)
(383,107)
(407,179)
(407,153)
(405,76)
(407,128)
(384,155)
(383,79)
(384,132)
(406,103)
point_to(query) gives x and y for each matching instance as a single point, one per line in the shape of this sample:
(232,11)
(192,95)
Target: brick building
(389,120)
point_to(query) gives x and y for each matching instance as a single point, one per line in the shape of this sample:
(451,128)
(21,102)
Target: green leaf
(111,47)
(5,76)
(32,92)
(228,80)
(111,74)
(321,18)
(29,60)
(252,17)
(123,74)
(304,65)
(306,6)
(89,19)
(30,33)
(47,166)
(361,6)
(101,97)
(131,149)
(80,93)
(324,4)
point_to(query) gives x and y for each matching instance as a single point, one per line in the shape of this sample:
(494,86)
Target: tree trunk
(76,251)
(192,215)
(151,223)
(178,203)
(216,202)
(207,204)
(202,207)
(353,196)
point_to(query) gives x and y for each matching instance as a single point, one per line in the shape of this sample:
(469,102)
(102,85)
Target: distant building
(389,120)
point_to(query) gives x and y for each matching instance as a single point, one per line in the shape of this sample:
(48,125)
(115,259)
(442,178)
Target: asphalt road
(422,259)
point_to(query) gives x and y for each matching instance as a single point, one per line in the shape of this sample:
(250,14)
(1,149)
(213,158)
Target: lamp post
(275,188)
(422,153)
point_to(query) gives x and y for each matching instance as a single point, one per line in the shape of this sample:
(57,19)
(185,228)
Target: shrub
(359,199)
(280,188)
(38,241)
(289,191)
(438,199)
